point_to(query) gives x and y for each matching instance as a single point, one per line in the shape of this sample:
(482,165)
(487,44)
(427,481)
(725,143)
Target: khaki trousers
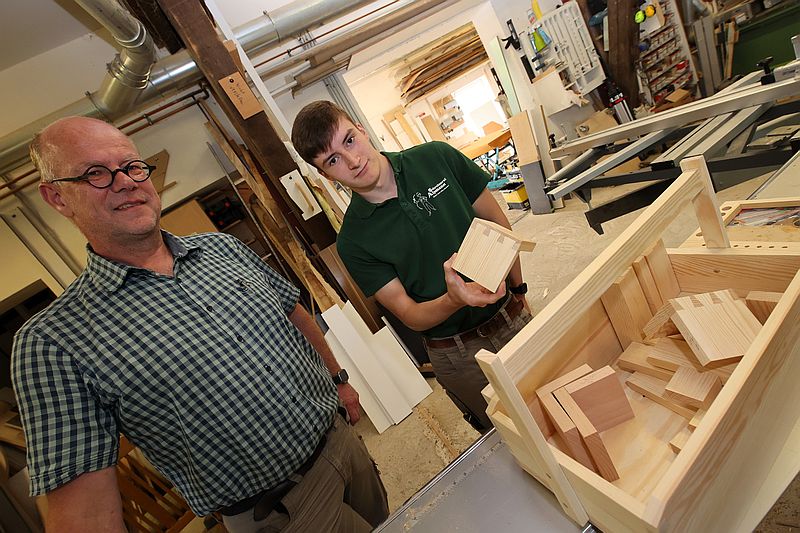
(341,493)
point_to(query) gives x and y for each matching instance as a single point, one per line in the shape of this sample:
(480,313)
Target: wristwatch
(341,377)
(522,288)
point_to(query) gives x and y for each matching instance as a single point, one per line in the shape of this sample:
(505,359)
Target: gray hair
(41,156)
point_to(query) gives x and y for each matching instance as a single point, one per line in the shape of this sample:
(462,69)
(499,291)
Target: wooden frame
(727,474)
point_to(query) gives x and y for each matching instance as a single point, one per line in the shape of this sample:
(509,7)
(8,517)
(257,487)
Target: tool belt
(512,307)
(266,501)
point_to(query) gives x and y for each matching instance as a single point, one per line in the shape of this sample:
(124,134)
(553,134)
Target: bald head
(55,141)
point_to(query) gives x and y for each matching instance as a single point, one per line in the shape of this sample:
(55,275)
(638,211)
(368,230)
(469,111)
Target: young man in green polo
(408,215)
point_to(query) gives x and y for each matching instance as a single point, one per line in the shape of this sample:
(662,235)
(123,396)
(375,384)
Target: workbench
(455,500)
(485,490)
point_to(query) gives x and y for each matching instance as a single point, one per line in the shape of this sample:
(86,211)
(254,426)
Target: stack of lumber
(691,346)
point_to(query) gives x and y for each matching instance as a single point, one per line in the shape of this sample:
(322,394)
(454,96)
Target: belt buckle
(479,330)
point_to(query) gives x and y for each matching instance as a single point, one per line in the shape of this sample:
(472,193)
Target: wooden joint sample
(653,388)
(601,398)
(719,333)
(670,353)
(627,308)
(761,303)
(488,252)
(661,269)
(590,435)
(697,389)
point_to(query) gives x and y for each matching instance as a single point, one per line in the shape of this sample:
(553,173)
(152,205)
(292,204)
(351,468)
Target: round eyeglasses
(101,177)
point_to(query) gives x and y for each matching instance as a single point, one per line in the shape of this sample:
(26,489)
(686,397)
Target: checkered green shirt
(202,370)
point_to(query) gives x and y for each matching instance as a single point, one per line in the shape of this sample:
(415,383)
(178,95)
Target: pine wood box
(746,449)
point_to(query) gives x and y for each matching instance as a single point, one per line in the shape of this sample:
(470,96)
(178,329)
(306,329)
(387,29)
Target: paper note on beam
(300,194)
(240,94)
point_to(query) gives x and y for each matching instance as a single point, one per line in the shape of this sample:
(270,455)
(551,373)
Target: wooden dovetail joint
(488,252)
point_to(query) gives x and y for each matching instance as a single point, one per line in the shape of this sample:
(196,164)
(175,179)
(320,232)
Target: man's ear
(52,196)
(362,129)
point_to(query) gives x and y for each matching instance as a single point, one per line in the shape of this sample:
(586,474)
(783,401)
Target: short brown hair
(314,126)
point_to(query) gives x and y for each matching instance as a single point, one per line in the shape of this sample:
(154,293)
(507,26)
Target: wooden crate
(744,451)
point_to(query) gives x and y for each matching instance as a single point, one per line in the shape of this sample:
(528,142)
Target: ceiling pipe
(178,71)
(358,39)
(129,71)
(114,99)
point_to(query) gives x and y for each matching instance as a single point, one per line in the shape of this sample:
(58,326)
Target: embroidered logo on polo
(422,199)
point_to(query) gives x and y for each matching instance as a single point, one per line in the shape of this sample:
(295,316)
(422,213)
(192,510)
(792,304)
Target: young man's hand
(349,398)
(468,293)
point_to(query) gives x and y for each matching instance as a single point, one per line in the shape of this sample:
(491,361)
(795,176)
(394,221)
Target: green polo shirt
(409,237)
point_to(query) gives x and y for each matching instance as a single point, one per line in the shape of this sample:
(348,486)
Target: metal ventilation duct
(127,82)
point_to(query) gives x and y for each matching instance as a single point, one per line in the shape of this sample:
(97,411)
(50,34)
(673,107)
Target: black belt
(513,308)
(265,501)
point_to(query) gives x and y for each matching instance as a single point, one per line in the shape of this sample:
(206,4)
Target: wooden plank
(661,269)
(734,268)
(690,387)
(719,334)
(635,359)
(706,207)
(524,139)
(669,354)
(567,430)
(627,308)
(433,129)
(623,34)
(536,445)
(601,398)
(648,284)
(696,419)
(761,303)
(561,422)
(653,388)
(589,434)
(191,21)
(679,441)
(375,376)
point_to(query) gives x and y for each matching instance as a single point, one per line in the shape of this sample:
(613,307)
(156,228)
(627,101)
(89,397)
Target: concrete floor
(412,452)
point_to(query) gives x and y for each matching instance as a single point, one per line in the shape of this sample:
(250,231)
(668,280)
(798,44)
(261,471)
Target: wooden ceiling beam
(193,25)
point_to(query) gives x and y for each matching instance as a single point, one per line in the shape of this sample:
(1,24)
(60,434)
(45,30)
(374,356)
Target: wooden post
(206,47)
(623,34)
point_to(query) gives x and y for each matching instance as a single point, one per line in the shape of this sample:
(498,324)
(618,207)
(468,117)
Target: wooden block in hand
(697,389)
(488,252)
(591,437)
(762,303)
(601,398)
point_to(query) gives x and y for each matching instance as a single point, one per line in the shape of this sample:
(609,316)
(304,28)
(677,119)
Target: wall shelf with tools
(665,63)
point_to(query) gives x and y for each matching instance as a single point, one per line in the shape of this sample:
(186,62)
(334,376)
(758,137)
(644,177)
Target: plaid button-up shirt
(202,370)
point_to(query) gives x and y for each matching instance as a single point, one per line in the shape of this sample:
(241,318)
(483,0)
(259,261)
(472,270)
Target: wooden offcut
(761,303)
(693,388)
(670,354)
(589,433)
(654,389)
(488,252)
(635,358)
(679,441)
(627,308)
(601,398)
(648,284)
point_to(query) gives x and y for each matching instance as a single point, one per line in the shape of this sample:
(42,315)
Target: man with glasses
(191,347)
